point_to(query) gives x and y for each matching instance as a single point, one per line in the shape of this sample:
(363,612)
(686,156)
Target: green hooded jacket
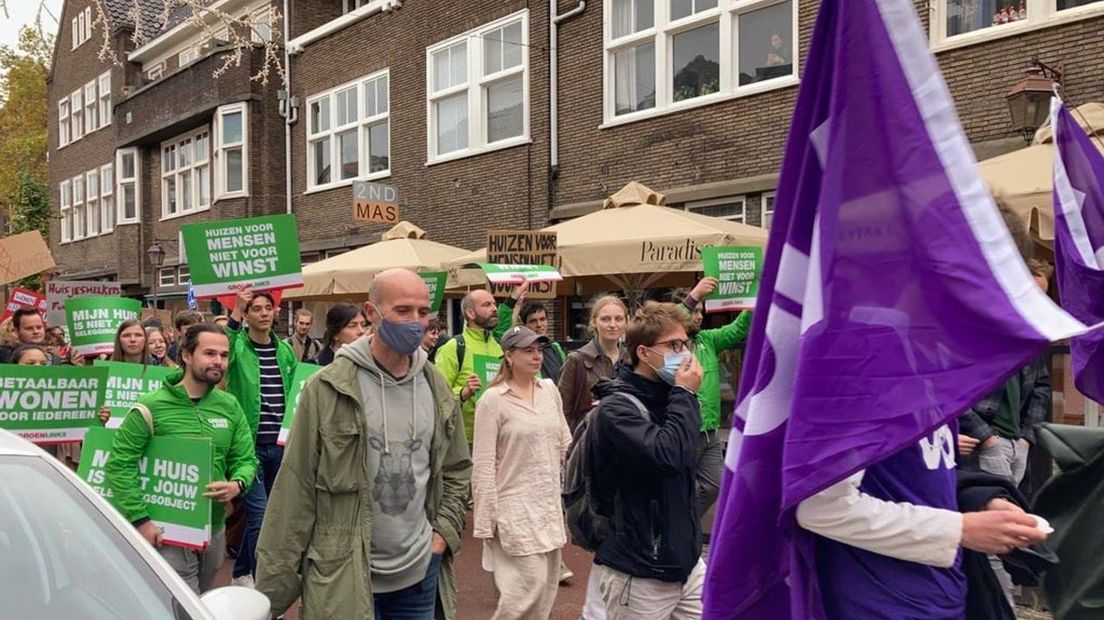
(243,375)
(217,416)
(710,342)
(317,533)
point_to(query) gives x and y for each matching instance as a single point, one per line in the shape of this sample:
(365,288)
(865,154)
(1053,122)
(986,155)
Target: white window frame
(697,205)
(187,56)
(90,106)
(107,198)
(763,211)
(87,23)
(475,87)
(661,33)
(121,182)
(104,100)
(220,149)
(348,6)
(362,124)
(92,202)
(79,225)
(63,122)
(166,276)
(75,30)
(190,165)
(1040,14)
(65,211)
(156,72)
(262,18)
(183,275)
(76,115)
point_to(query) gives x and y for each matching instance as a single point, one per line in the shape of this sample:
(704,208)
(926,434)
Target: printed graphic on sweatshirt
(394,482)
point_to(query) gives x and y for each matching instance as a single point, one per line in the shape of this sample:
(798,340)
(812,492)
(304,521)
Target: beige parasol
(346,277)
(1023,179)
(633,243)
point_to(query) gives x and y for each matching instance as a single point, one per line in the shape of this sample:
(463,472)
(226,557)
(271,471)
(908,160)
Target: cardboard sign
(737,270)
(303,371)
(228,255)
(57,291)
(486,368)
(22,298)
(375,202)
(173,475)
(126,383)
(93,321)
(50,404)
(435,281)
(23,255)
(523,247)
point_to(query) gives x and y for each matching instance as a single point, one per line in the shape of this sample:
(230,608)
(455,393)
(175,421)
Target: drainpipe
(554,22)
(291,113)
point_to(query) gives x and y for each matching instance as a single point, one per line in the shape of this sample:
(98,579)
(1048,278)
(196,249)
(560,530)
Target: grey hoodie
(400,419)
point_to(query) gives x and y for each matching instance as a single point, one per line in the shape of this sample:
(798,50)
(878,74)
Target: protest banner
(50,404)
(523,247)
(737,270)
(126,383)
(228,255)
(93,320)
(173,474)
(435,281)
(22,298)
(509,275)
(375,202)
(303,371)
(22,255)
(57,291)
(486,368)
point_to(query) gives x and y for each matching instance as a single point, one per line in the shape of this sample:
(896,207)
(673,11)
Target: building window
(63,122)
(90,107)
(107,198)
(82,27)
(262,25)
(76,103)
(731,208)
(187,56)
(969,20)
(767,210)
(478,86)
(183,276)
(156,72)
(79,231)
(664,54)
(167,276)
(232,152)
(186,174)
(352,5)
(92,202)
(127,186)
(105,99)
(66,211)
(349,125)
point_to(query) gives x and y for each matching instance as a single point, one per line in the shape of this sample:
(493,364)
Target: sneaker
(245,581)
(565,573)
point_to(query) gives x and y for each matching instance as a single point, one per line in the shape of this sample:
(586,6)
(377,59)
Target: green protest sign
(126,383)
(435,281)
(50,404)
(516,274)
(173,474)
(93,320)
(737,270)
(486,368)
(227,255)
(303,371)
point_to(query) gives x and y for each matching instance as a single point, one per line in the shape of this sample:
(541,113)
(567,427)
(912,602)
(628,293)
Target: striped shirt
(272,393)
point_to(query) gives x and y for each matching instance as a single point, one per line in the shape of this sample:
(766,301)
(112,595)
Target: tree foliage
(23,73)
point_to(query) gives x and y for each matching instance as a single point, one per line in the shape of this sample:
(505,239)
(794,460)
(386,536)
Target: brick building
(140,146)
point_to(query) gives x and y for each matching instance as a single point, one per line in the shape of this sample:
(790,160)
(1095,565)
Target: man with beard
(481,317)
(188,404)
(708,344)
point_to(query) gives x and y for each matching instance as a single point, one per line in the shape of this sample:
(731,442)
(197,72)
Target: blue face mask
(402,337)
(671,364)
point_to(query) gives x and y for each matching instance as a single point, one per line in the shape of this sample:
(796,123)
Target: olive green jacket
(317,532)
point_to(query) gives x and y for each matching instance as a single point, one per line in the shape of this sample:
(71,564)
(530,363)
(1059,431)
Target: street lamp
(1029,99)
(156,258)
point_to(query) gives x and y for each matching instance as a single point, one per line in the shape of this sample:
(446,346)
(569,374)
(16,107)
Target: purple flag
(1079,243)
(892,299)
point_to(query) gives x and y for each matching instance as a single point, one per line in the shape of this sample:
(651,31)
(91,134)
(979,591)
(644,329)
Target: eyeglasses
(676,345)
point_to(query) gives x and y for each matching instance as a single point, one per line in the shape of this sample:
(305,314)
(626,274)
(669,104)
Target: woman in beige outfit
(520,441)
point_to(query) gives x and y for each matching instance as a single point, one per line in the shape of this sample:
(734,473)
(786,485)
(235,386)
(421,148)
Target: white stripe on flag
(1070,199)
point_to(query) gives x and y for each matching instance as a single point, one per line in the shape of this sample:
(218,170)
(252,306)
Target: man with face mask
(368,510)
(648,566)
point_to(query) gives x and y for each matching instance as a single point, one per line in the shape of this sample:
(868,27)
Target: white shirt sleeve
(899,530)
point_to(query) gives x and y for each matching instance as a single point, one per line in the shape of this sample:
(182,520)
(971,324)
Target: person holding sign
(130,343)
(259,374)
(188,405)
(29,329)
(367,512)
(521,440)
(158,348)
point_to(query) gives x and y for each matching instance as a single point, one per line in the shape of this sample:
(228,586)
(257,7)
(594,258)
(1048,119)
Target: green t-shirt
(1007,421)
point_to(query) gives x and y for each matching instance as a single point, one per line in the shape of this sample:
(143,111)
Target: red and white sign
(22,298)
(57,291)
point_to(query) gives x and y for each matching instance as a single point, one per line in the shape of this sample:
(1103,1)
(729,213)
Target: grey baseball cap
(520,337)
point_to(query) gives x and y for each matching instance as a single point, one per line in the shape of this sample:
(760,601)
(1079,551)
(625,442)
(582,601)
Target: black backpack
(461,348)
(587,520)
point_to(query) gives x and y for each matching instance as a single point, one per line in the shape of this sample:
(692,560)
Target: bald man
(367,511)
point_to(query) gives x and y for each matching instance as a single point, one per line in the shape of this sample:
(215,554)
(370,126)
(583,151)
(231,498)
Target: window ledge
(176,216)
(318,189)
(230,195)
(497,146)
(126,223)
(698,102)
(996,33)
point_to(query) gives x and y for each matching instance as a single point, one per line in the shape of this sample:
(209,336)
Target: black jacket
(644,472)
